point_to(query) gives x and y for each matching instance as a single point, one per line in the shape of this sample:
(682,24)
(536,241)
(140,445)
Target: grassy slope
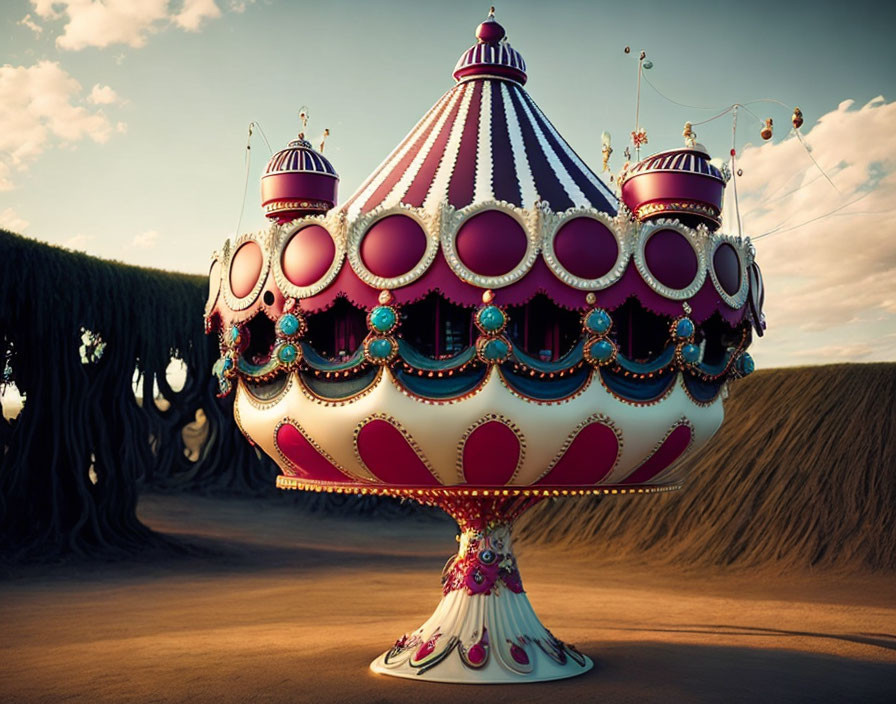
(802,474)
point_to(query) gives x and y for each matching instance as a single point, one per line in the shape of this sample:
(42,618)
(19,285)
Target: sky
(123,125)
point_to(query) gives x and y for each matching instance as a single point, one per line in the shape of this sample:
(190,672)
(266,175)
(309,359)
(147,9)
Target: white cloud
(40,105)
(26,21)
(102,23)
(830,269)
(102,95)
(10,220)
(194,12)
(147,240)
(79,242)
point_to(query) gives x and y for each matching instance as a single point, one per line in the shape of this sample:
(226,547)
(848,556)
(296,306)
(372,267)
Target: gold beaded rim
(294,483)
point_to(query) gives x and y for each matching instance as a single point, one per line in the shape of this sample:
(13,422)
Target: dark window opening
(641,335)
(261,334)
(716,337)
(543,329)
(337,332)
(437,328)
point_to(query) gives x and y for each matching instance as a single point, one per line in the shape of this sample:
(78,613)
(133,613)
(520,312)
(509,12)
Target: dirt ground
(282,606)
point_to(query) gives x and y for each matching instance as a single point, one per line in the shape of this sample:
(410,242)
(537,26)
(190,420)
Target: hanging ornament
(323,140)
(766,132)
(628,50)
(797,118)
(648,65)
(639,137)
(740,172)
(690,137)
(606,149)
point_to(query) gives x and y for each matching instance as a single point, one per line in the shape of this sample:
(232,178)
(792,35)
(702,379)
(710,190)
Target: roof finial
(303,116)
(489,31)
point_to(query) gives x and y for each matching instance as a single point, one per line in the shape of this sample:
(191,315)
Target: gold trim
(422,494)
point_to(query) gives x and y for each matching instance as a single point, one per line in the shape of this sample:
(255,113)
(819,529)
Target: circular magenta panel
(245,268)
(727,268)
(308,255)
(393,246)
(586,248)
(491,243)
(671,259)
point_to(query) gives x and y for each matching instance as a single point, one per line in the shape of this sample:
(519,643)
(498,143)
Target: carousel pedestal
(484,630)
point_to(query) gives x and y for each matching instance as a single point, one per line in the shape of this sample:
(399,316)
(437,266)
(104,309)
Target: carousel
(485,324)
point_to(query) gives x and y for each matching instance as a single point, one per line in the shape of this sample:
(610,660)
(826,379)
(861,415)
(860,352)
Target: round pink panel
(727,267)
(671,259)
(308,255)
(245,269)
(393,246)
(586,248)
(491,243)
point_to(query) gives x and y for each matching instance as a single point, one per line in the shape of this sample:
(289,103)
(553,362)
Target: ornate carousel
(482,325)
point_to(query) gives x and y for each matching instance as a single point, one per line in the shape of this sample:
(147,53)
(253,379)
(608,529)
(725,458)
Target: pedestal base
(482,639)
(484,630)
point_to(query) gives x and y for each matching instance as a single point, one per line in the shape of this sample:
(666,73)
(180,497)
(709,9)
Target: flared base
(484,630)
(482,639)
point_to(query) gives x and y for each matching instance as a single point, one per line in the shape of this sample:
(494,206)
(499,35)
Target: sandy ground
(287,607)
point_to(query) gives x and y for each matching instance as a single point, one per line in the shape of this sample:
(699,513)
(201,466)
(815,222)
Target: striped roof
(484,140)
(299,157)
(687,160)
(491,55)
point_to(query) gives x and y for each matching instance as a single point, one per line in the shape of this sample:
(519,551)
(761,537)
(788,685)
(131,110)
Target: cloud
(830,260)
(10,220)
(147,240)
(102,23)
(195,12)
(102,95)
(26,21)
(79,242)
(41,105)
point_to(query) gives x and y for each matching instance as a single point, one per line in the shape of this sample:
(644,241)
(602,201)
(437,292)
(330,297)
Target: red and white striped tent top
(484,140)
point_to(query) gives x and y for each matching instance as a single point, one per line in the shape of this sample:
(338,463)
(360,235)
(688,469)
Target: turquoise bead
(684,328)
(228,364)
(495,350)
(288,324)
(598,321)
(234,333)
(380,349)
(382,318)
(745,364)
(690,353)
(287,354)
(602,350)
(491,318)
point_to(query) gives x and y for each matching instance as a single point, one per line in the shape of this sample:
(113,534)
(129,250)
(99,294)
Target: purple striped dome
(298,181)
(491,55)
(679,183)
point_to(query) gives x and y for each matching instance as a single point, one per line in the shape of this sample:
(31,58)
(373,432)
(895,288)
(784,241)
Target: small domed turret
(679,183)
(298,181)
(491,55)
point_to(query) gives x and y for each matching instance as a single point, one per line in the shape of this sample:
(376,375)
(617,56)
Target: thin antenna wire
(734,171)
(638,105)
(264,137)
(778,230)
(239,222)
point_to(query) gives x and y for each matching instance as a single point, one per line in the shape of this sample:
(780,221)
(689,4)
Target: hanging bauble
(766,132)
(797,118)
